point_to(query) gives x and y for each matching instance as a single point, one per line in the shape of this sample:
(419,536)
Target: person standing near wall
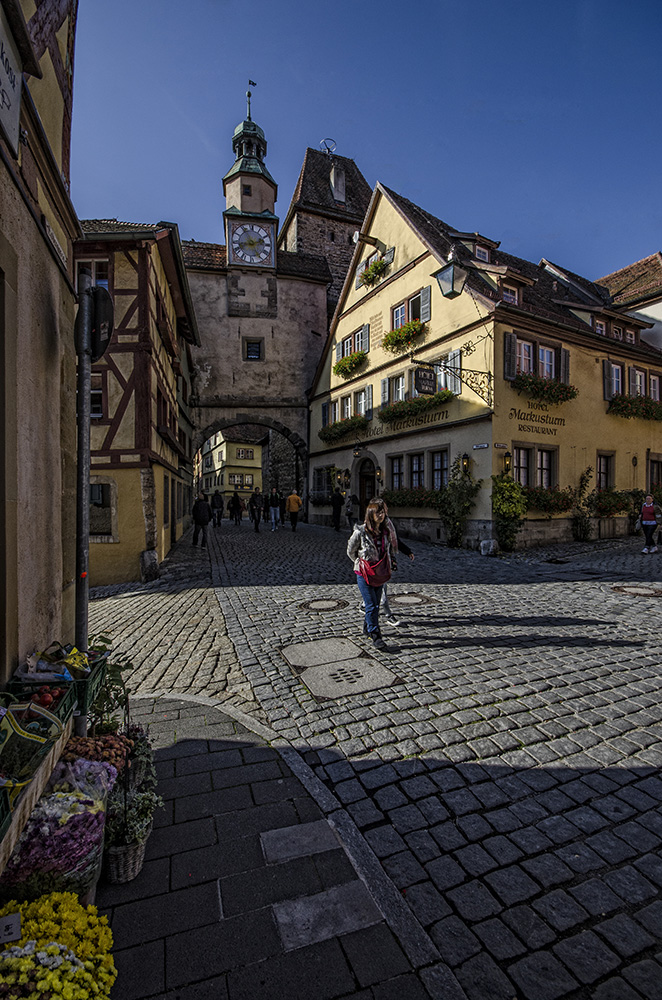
(274,508)
(202,515)
(293,506)
(255,507)
(337,504)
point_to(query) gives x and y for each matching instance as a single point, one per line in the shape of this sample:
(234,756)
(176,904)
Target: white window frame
(398,388)
(346,407)
(399,315)
(93,266)
(482,253)
(617,332)
(630,337)
(601,327)
(545,468)
(522,465)
(333,411)
(654,387)
(616,379)
(510,293)
(360,402)
(546,362)
(525,356)
(640,382)
(347,345)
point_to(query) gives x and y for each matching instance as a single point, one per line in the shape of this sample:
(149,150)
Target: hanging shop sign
(425,381)
(11,75)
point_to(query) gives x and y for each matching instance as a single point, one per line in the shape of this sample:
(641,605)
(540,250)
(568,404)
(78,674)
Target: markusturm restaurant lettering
(542,422)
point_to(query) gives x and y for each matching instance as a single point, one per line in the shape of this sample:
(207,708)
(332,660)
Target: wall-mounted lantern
(347,478)
(452,277)
(378,474)
(465,464)
(507,462)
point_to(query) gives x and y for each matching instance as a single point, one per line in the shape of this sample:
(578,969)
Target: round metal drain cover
(408,599)
(324,604)
(640,590)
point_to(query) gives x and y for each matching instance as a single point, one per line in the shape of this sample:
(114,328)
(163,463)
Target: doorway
(366,484)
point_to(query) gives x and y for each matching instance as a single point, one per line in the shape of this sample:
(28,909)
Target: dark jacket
(217,502)
(201,512)
(337,501)
(274,500)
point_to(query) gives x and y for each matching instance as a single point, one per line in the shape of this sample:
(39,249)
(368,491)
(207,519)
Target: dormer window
(482,253)
(601,327)
(617,332)
(509,293)
(630,337)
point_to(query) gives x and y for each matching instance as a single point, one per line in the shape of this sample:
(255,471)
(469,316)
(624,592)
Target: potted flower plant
(128,826)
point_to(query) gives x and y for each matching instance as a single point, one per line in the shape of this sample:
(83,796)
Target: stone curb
(418,946)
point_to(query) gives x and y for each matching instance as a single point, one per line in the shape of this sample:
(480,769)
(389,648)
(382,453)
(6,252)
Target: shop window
(397,474)
(439,469)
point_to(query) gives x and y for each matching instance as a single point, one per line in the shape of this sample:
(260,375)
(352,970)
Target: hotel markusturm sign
(425,381)
(11,75)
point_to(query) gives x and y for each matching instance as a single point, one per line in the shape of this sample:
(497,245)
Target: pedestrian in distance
(274,508)
(349,510)
(234,507)
(293,506)
(337,504)
(265,509)
(650,519)
(255,507)
(202,515)
(217,508)
(371,548)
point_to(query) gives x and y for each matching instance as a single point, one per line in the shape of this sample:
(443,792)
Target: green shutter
(368,402)
(425,303)
(509,355)
(565,366)
(385,393)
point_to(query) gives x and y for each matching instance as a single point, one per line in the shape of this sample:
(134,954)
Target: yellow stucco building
(532,366)
(141,473)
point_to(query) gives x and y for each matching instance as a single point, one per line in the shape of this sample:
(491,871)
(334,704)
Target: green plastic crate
(88,689)
(66,706)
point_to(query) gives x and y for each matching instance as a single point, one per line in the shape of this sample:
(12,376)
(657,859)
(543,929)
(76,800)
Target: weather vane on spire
(251,83)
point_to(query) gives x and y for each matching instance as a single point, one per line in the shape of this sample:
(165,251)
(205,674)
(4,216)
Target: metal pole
(84,351)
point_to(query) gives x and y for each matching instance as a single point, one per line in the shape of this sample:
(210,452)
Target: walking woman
(651,518)
(234,507)
(371,548)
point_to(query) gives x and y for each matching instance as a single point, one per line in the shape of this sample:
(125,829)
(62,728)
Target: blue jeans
(275,517)
(371,597)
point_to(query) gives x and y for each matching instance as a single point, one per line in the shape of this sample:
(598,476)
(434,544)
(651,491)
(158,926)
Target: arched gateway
(221,423)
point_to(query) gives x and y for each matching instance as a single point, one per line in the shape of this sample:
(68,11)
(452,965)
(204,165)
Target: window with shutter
(388,255)
(412,387)
(362,338)
(509,355)
(385,392)
(325,414)
(426,307)
(565,366)
(359,271)
(455,363)
(368,402)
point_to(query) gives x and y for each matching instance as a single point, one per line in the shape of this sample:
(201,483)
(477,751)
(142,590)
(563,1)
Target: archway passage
(236,458)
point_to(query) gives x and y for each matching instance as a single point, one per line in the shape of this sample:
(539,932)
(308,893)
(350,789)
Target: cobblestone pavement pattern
(508,781)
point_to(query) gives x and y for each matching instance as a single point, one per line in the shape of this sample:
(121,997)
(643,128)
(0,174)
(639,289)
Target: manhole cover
(324,604)
(337,680)
(302,655)
(409,599)
(640,591)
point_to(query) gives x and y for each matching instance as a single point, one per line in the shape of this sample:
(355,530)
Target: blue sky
(535,124)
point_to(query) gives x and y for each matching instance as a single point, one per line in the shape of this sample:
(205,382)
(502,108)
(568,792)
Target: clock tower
(250,195)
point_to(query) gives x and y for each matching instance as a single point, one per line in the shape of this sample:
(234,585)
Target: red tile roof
(638,281)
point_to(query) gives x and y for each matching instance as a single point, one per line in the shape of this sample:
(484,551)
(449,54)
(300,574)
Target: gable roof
(313,189)
(636,282)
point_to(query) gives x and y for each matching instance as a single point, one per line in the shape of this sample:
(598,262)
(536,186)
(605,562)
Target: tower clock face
(251,243)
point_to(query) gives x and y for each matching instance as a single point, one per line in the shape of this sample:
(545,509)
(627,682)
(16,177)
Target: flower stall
(73,809)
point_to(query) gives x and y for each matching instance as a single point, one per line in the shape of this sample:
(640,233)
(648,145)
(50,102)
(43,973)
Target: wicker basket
(124,862)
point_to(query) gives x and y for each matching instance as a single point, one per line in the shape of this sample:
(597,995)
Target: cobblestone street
(506,771)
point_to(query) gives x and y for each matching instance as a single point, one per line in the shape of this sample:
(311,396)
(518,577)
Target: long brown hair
(375,506)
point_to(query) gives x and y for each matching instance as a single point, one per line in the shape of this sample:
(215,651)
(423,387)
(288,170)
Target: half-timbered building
(141,471)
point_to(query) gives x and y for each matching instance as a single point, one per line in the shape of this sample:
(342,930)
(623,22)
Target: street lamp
(452,277)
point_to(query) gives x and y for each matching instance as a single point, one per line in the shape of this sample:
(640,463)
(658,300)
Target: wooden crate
(31,796)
